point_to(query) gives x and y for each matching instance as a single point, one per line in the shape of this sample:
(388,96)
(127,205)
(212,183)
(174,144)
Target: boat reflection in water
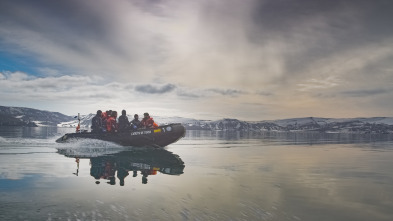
(109,164)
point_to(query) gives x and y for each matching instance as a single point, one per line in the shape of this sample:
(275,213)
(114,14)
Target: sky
(205,59)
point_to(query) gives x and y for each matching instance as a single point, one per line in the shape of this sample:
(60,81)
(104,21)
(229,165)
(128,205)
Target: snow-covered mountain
(21,116)
(85,121)
(330,125)
(351,125)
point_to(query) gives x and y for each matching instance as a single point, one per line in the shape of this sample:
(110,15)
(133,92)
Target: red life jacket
(111,125)
(148,123)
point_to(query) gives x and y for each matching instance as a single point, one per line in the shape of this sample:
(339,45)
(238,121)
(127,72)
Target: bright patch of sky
(245,59)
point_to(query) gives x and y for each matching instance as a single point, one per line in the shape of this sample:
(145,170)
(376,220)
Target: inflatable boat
(156,137)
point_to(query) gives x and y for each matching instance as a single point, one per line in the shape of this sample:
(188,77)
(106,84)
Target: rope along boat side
(158,137)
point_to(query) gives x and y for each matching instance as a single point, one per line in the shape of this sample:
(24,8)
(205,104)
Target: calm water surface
(205,176)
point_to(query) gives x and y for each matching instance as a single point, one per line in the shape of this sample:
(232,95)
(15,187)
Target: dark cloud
(226,92)
(314,30)
(73,34)
(210,92)
(365,93)
(186,94)
(101,96)
(283,14)
(56,18)
(155,89)
(371,17)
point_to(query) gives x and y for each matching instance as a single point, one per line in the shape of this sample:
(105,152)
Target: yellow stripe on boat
(157,131)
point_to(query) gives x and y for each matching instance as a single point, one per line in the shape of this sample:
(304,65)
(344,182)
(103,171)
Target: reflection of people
(145,174)
(121,174)
(120,165)
(77,166)
(105,168)
(102,168)
(112,180)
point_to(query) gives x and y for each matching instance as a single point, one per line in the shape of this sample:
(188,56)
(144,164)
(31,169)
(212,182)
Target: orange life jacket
(111,124)
(148,123)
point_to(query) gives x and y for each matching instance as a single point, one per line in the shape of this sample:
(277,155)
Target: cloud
(189,94)
(214,44)
(21,86)
(366,93)
(225,92)
(264,93)
(208,92)
(183,42)
(72,94)
(155,89)
(22,82)
(318,84)
(202,55)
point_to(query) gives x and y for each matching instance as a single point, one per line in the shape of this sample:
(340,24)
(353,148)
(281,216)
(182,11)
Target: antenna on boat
(79,123)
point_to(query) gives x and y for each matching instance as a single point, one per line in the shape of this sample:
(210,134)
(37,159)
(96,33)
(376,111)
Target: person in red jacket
(111,125)
(148,122)
(105,116)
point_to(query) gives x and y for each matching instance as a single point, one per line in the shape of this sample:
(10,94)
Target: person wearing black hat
(135,123)
(96,123)
(123,121)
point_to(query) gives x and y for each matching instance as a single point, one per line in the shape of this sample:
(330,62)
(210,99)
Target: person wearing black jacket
(96,123)
(123,121)
(135,123)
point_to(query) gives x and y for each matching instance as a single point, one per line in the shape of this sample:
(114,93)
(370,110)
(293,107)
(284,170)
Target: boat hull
(157,137)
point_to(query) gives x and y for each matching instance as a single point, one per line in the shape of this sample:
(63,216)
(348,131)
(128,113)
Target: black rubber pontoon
(157,137)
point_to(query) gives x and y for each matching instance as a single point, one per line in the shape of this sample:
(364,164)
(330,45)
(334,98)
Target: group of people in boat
(108,122)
